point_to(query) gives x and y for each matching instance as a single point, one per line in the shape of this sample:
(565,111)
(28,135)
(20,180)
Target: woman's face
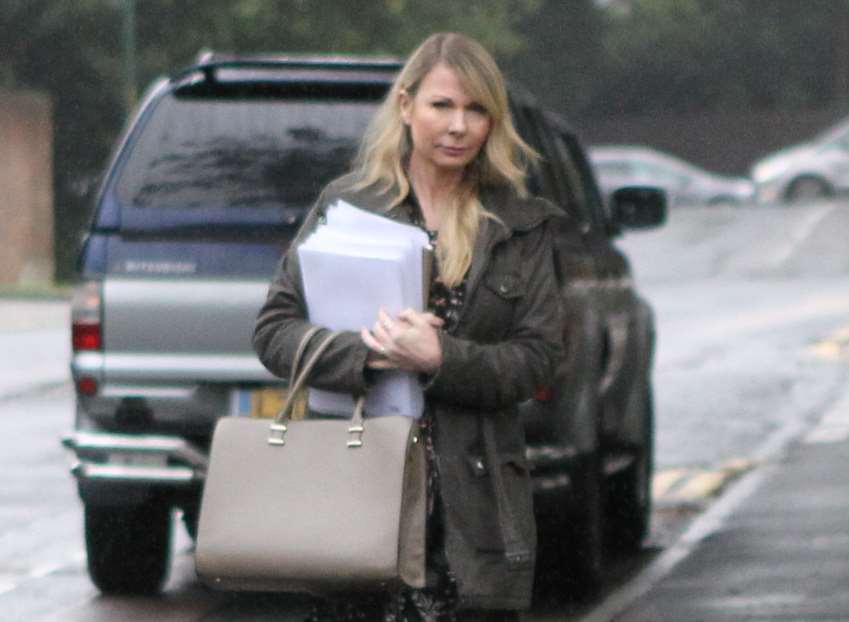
(448,127)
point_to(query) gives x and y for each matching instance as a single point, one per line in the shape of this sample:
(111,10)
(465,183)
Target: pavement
(774,547)
(30,330)
(705,242)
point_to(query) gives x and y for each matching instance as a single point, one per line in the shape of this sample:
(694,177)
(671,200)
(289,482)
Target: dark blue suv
(204,194)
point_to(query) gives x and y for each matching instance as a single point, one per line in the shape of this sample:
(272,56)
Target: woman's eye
(440,104)
(477,109)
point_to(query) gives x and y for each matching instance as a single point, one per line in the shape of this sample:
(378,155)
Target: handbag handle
(302,346)
(297,379)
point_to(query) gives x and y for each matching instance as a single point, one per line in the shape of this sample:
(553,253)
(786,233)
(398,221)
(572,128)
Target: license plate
(127,458)
(266,402)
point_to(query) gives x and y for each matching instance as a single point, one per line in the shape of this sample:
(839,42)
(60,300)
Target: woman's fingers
(384,320)
(376,358)
(381,334)
(371,342)
(418,319)
(380,363)
(408,341)
(433,320)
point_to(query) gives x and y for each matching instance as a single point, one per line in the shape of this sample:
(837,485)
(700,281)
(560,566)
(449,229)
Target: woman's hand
(409,342)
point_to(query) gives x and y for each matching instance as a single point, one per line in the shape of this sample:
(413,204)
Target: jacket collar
(516,214)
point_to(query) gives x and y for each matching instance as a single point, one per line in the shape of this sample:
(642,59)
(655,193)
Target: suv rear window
(220,160)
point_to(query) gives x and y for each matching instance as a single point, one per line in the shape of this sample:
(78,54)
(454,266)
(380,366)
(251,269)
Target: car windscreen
(206,161)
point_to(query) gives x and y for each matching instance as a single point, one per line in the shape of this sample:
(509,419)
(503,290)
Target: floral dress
(436,602)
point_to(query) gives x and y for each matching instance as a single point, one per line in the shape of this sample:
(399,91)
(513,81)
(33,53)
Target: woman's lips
(454,151)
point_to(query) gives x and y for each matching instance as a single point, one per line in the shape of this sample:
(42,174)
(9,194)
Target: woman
(442,153)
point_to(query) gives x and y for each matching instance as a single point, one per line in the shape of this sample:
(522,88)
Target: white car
(816,169)
(684,183)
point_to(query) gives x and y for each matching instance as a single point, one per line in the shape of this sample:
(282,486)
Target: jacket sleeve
(493,376)
(282,322)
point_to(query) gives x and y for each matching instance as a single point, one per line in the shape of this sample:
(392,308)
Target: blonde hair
(386,146)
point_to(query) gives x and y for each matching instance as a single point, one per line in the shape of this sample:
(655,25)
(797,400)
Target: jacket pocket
(470,502)
(507,286)
(518,487)
(495,304)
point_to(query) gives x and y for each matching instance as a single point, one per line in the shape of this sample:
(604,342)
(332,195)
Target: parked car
(206,190)
(684,183)
(816,169)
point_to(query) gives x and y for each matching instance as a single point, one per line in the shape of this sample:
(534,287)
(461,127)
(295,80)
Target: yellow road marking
(701,485)
(834,347)
(692,485)
(663,482)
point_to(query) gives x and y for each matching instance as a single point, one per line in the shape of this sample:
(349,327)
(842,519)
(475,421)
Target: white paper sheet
(352,266)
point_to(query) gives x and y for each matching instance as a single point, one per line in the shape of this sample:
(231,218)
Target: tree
(686,55)
(563,53)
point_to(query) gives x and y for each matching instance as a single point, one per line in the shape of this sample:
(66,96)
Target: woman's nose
(458,122)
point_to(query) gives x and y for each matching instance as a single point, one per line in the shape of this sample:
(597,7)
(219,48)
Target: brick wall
(26,188)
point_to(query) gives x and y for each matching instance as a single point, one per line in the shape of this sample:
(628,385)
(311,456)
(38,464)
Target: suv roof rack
(209,62)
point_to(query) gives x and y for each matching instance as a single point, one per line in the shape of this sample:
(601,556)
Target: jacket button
(479,466)
(503,289)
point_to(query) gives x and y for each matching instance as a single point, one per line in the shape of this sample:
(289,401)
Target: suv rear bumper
(170,461)
(140,459)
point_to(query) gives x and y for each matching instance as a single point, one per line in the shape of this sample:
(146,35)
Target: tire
(191,516)
(808,188)
(129,548)
(628,494)
(584,550)
(570,558)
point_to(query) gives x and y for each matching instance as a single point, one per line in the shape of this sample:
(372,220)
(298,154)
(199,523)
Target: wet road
(750,346)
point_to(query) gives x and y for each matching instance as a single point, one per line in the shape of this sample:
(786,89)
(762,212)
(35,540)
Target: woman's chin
(450,163)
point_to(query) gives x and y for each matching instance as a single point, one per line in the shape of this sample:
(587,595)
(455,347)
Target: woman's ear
(405,102)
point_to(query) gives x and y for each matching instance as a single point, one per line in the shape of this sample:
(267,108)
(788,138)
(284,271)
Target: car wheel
(584,550)
(570,559)
(628,493)
(808,188)
(191,516)
(129,548)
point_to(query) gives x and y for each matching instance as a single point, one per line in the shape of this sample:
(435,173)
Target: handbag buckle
(358,441)
(277,434)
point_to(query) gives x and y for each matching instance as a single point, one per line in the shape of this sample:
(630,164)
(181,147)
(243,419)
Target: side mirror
(638,207)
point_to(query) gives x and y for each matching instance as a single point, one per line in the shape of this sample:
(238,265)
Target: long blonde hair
(386,146)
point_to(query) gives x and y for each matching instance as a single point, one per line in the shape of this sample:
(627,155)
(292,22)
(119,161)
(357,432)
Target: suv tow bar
(143,459)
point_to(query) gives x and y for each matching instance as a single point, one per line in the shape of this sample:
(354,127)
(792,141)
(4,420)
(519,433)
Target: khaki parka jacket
(505,345)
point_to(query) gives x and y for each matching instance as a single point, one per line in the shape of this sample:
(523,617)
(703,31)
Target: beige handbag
(316,505)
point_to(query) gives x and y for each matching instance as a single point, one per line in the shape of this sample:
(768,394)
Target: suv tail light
(86,323)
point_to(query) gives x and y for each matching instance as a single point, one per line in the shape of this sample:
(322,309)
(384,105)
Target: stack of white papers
(352,266)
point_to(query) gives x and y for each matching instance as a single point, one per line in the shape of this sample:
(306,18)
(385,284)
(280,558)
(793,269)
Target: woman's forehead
(444,80)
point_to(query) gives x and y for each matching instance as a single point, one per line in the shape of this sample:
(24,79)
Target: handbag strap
(297,379)
(302,346)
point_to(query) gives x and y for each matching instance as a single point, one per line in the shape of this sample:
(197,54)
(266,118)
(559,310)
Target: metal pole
(129,43)
(841,53)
